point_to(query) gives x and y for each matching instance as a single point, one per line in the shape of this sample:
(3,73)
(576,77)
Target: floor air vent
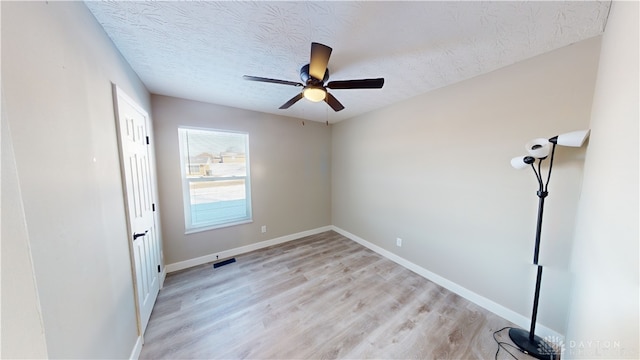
(224,262)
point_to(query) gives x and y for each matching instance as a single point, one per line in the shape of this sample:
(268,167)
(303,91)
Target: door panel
(138,180)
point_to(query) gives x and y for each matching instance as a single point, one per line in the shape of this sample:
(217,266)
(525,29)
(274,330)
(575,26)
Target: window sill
(214,227)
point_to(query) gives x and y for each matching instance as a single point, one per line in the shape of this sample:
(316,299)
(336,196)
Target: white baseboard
(243,249)
(137,348)
(479,300)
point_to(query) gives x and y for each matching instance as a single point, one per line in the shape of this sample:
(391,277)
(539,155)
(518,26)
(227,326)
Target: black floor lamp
(539,150)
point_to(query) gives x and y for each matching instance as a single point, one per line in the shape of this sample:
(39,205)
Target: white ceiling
(200,50)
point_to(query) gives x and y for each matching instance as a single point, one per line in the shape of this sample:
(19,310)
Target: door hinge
(153,207)
(159,269)
(147,140)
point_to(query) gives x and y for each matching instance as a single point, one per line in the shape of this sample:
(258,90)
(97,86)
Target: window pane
(215,171)
(214,153)
(217,201)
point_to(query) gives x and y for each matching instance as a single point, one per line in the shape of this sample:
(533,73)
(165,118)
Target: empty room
(320,179)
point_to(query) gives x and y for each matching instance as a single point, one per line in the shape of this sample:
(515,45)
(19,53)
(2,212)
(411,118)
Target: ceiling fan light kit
(314,93)
(314,75)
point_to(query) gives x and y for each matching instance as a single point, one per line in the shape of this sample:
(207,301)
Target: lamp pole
(534,314)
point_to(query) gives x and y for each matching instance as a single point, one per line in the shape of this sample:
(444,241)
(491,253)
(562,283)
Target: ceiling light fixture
(314,93)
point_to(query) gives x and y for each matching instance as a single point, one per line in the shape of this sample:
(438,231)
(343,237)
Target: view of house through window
(215,175)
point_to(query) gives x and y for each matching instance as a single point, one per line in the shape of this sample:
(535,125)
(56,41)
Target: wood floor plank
(318,297)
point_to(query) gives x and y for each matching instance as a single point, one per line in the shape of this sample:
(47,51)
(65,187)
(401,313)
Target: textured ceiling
(200,50)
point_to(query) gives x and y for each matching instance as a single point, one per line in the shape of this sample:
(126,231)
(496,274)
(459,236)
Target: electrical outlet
(264,228)
(398,242)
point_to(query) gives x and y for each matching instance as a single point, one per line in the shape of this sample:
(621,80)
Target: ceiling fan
(314,75)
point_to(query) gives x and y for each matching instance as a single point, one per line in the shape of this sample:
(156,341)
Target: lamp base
(538,348)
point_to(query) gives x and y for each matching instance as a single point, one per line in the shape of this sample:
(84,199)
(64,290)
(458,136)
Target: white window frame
(186,181)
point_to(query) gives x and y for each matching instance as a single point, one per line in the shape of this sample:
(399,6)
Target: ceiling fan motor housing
(310,80)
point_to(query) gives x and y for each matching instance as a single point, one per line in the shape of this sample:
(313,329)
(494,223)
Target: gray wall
(434,171)
(290,176)
(603,321)
(64,237)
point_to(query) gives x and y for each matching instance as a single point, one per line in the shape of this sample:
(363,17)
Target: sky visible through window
(206,141)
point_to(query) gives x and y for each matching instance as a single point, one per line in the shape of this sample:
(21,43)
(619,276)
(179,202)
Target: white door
(138,175)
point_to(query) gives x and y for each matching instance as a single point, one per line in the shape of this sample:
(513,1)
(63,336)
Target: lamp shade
(538,148)
(573,139)
(521,162)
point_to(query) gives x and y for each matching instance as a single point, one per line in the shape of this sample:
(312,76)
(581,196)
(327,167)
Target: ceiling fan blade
(356,84)
(275,81)
(292,101)
(333,102)
(319,59)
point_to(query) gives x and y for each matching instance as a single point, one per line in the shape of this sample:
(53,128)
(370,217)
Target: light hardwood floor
(322,296)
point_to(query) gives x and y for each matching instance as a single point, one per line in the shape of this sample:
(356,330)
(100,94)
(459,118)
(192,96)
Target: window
(215,178)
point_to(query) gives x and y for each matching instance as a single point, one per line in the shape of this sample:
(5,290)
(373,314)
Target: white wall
(604,317)
(434,171)
(21,322)
(290,176)
(57,69)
